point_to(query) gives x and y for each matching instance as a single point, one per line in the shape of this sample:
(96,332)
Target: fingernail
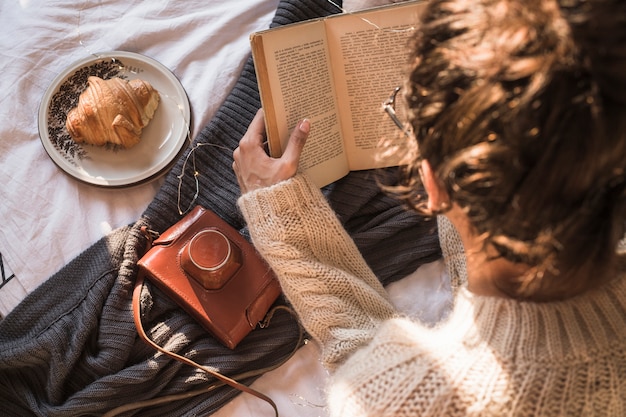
(305,126)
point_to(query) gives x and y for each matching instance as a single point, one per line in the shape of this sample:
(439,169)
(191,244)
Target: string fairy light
(190,157)
(196,174)
(369,22)
(191,154)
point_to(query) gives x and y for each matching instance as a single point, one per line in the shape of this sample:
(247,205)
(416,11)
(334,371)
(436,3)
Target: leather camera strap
(221,379)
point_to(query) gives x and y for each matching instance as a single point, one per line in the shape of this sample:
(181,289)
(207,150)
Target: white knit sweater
(491,357)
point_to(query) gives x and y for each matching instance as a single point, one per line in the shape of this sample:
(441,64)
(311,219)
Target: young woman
(518,111)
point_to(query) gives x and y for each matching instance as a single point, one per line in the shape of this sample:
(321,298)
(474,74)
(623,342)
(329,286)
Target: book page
(370,51)
(301,85)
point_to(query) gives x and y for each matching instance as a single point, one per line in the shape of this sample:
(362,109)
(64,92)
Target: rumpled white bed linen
(48,217)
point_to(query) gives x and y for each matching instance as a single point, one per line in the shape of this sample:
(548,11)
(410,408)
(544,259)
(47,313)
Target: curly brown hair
(519,107)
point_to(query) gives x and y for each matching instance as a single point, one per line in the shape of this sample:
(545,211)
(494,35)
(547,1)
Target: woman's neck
(484,273)
(483,269)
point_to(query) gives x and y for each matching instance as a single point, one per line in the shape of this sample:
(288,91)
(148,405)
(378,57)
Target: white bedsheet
(47,217)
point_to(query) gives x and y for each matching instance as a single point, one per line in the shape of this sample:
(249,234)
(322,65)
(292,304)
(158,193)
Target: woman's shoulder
(489,346)
(509,330)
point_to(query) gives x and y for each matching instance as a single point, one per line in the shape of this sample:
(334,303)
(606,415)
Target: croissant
(112,111)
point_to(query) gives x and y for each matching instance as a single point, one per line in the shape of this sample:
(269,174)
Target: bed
(52,214)
(49,216)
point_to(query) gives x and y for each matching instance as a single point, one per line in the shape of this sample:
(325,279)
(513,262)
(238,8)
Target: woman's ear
(438,199)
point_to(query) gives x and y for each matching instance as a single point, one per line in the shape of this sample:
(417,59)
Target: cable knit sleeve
(338,298)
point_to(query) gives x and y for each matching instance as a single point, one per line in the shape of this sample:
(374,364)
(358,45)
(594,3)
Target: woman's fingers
(296,142)
(254,168)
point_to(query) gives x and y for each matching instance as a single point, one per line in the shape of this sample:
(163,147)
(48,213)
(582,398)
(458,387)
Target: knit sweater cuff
(259,205)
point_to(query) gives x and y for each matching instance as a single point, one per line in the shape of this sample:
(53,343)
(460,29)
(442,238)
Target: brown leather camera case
(213,273)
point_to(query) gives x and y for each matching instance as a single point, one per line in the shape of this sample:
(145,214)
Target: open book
(336,71)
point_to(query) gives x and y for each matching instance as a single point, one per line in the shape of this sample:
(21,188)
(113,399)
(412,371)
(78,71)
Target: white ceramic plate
(161,141)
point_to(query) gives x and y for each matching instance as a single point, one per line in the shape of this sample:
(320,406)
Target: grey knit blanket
(71,348)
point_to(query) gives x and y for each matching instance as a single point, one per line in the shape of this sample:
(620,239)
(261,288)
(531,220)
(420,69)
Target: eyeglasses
(390,108)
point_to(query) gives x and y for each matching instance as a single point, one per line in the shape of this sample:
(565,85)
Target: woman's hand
(254,168)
